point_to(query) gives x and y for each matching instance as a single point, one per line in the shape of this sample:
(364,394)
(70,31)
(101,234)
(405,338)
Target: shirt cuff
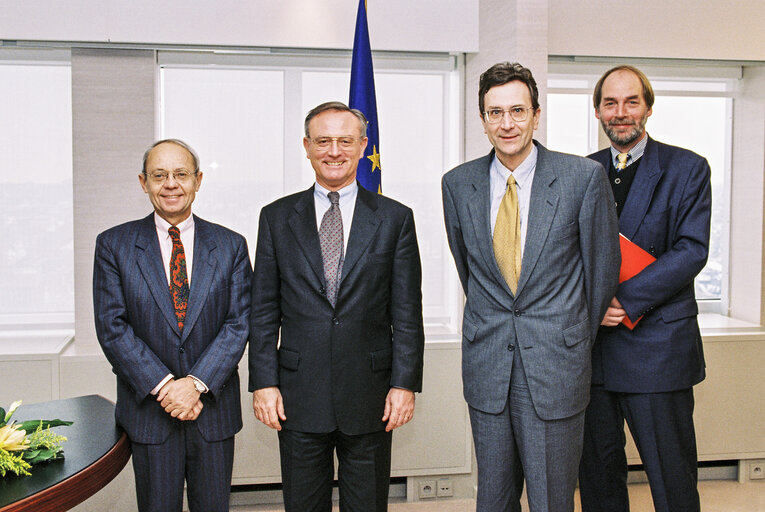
(201,382)
(162,383)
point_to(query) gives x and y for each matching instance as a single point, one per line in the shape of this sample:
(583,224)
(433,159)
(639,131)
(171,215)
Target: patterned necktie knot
(179,281)
(334,198)
(622,158)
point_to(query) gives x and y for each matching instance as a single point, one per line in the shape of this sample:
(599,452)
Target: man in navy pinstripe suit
(171,294)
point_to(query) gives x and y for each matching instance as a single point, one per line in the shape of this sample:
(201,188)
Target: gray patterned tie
(331,240)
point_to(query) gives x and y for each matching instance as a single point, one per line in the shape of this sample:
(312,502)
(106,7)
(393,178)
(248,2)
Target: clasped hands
(180,399)
(269,407)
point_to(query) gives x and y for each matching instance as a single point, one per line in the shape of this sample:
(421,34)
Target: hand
(399,408)
(193,414)
(614,314)
(268,406)
(178,397)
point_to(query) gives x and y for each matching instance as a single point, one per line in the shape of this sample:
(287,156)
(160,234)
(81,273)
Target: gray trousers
(517,444)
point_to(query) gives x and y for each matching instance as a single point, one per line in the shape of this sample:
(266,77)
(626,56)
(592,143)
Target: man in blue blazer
(645,376)
(171,294)
(336,344)
(526,337)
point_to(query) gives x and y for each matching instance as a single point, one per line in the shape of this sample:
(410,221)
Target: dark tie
(331,240)
(179,281)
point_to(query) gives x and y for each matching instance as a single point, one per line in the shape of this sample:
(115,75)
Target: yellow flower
(13,439)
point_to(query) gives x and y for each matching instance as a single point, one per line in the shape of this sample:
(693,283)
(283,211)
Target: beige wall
(680,29)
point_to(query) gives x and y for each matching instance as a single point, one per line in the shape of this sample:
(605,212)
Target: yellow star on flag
(375,158)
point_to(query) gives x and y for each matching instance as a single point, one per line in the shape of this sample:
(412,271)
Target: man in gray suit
(535,240)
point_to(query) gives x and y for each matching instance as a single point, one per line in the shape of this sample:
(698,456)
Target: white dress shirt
(524,177)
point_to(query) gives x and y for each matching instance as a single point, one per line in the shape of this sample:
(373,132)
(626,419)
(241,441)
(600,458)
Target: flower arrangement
(25,444)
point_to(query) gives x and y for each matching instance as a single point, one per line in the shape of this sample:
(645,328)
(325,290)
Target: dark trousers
(517,443)
(308,470)
(662,426)
(160,470)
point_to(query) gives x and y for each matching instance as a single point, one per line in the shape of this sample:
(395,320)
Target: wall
(682,29)
(423,25)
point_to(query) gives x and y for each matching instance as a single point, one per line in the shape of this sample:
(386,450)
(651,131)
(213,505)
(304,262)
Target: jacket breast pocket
(563,232)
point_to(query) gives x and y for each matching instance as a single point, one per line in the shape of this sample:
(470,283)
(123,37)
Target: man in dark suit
(645,376)
(174,342)
(533,233)
(337,271)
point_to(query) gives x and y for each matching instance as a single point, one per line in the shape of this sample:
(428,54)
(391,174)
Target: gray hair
(177,142)
(340,107)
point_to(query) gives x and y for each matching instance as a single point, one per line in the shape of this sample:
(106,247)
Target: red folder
(634,260)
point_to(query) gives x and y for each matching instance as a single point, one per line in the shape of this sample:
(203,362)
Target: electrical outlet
(427,489)
(756,470)
(444,488)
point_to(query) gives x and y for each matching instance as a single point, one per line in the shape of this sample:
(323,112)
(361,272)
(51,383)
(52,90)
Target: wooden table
(95,452)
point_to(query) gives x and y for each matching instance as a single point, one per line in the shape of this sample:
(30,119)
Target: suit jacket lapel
(479,206)
(542,206)
(363,227)
(150,264)
(202,273)
(302,222)
(641,191)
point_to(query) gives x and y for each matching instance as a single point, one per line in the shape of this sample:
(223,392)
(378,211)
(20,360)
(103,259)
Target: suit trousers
(308,470)
(662,426)
(160,470)
(517,443)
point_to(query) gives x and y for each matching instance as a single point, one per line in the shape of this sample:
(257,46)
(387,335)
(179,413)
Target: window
(244,115)
(689,112)
(36,255)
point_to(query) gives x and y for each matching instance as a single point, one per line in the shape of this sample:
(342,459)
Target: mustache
(622,121)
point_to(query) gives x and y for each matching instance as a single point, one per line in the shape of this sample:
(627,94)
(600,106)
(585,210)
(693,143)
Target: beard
(628,137)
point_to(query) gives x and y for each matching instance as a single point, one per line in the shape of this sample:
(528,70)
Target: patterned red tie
(179,281)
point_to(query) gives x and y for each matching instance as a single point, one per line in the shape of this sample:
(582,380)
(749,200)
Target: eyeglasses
(343,142)
(179,176)
(518,114)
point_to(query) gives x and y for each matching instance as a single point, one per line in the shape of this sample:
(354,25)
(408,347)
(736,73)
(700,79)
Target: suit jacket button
(511,347)
(322,290)
(182,350)
(336,321)
(517,312)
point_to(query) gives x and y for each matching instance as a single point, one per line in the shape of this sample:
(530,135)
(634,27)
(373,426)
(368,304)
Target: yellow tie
(622,157)
(507,236)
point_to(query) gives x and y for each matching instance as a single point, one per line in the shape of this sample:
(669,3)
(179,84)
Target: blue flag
(362,97)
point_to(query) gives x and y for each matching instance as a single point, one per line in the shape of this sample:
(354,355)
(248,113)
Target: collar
(523,173)
(162,225)
(634,153)
(347,193)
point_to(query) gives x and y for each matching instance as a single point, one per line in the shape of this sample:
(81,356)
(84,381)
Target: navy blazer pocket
(469,330)
(576,333)
(289,359)
(677,310)
(382,359)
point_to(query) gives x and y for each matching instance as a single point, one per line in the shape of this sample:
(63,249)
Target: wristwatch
(198,385)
